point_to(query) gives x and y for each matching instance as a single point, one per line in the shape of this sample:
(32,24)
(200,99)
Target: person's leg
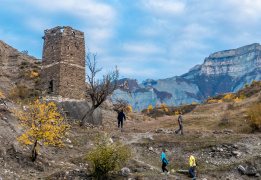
(181,128)
(191,171)
(121,123)
(163,166)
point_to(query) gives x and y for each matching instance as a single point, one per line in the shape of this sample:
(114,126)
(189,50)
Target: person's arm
(124,116)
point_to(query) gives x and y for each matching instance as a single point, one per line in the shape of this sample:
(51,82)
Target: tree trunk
(86,116)
(34,152)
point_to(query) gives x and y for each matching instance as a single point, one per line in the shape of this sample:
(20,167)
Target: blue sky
(146,39)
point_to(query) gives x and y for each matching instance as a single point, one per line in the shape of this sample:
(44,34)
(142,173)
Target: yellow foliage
(166,110)
(185,104)
(220,101)
(194,103)
(107,156)
(212,101)
(236,99)
(176,112)
(41,122)
(1,95)
(149,108)
(228,97)
(157,104)
(163,105)
(144,117)
(246,85)
(126,108)
(33,74)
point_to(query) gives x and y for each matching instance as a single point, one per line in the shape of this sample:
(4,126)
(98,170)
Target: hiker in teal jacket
(164,162)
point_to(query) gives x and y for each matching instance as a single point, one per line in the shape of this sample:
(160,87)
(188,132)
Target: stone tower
(63,63)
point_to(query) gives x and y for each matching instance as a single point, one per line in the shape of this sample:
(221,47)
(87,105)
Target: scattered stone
(257,175)
(235,146)
(70,146)
(151,138)
(228,131)
(182,171)
(215,115)
(217,132)
(251,171)
(169,132)
(241,169)
(124,172)
(236,153)
(151,149)
(172,171)
(159,130)
(141,169)
(68,140)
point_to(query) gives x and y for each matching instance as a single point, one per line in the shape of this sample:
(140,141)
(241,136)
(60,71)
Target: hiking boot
(167,172)
(163,173)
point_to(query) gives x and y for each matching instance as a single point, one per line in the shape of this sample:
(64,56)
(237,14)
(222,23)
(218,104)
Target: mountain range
(221,72)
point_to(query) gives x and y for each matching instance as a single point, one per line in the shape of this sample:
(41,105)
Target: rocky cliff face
(221,72)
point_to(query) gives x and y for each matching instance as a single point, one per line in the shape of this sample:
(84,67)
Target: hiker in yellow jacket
(192,166)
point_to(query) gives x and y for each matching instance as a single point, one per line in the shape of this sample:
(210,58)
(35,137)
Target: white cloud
(167,7)
(87,10)
(142,48)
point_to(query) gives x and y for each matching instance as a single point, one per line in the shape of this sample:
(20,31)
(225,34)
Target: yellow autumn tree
(163,105)
(149,108)
(42,123)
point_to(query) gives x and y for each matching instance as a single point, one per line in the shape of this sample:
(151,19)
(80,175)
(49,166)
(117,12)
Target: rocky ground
(227,151)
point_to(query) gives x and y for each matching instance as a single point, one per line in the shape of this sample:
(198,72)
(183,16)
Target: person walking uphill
(192,166)
(180,120)
(121,115)
(164,162)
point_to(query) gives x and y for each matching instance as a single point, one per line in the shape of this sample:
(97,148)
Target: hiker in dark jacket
(121,115)
(180,120)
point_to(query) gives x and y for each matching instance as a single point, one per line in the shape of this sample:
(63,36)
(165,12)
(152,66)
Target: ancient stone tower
(63,63)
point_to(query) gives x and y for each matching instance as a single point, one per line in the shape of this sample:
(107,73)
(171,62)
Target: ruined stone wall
(63,64)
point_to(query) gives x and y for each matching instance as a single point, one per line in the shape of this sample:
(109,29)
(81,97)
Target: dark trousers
(180,129)
(191,171)
(164,167)
(120,123)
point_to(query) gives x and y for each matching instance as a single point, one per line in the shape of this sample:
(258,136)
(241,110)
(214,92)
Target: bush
(149,108)
(107,156)
(20,91)
(254,117)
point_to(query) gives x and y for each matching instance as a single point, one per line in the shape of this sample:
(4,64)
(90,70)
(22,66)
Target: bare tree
(98,89)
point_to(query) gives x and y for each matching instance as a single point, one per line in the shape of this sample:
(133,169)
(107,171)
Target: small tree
(149,108)
(254,117)
(43,123)
(107,156)
(99,89)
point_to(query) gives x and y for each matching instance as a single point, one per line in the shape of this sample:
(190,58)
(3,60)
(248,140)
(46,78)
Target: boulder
(250,171)
(124,172)
(241,169)
(77,109)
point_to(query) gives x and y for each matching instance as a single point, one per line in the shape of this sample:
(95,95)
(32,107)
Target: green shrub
(107,156)
(254,117)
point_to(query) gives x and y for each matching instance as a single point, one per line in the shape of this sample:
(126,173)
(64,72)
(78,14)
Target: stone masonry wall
(63,63)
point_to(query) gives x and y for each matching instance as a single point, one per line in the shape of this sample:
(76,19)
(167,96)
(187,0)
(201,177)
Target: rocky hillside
(223,149)
(221,72)
(18,70)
